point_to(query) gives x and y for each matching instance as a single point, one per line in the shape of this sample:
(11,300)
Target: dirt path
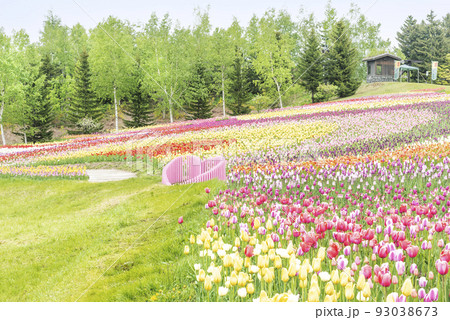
(106,175)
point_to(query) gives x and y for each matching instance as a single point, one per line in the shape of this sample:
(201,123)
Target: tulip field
(337,201)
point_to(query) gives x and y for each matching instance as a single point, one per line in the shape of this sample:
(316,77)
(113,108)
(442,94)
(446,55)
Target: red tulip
(383,252)
(386,280)
(248,251)
(180,220)
(445,255)
(333,250)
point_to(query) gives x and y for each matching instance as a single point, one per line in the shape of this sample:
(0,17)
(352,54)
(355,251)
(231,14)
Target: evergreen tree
(39,115)
(444,72)
(198,93)
(431,44)
(407,38)
(84,104)
(140,108)
(341,61)
(310,65)
(239,86)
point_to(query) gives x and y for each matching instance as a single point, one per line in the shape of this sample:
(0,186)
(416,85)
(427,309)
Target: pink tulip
(180,220)
(441,266)
(367,271)
(434,294)
(386,280)
(400,266)
(347,250)
(421,294)
(422,282)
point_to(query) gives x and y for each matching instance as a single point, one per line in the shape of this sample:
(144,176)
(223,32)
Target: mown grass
(377,88)
(58,237)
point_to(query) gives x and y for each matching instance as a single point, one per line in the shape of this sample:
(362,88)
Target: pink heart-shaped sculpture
(191,169)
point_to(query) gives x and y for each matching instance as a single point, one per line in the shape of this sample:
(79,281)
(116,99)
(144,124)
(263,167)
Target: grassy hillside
(371,89)
(58,237)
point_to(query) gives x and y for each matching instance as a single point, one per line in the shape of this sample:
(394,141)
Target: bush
(260,102)
(325,92)
(88,125)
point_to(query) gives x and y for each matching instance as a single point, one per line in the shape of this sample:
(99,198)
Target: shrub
(326,92)
(260,102)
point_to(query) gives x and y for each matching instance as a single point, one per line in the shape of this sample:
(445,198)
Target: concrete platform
(107,175)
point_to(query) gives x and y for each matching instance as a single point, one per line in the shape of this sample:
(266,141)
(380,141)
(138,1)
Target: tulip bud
(349,291)
(329,288)
(186,249)
(208,284)
(366,290)
(361,282)
(192,239)
(407,287)
(284,275)
(335,276)
(250,288)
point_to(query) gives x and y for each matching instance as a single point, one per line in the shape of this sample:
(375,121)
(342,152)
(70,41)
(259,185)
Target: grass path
(57,237)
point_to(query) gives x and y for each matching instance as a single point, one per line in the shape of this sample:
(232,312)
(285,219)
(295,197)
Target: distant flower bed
(69,171)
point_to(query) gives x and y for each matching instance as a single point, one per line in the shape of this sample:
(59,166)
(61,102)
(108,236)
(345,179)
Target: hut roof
(381,56)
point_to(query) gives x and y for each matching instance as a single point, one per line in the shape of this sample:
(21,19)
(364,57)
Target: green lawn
(371,89)
(57,237)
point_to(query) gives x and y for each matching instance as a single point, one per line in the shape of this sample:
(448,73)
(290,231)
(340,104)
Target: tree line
(72,77)
(425,42)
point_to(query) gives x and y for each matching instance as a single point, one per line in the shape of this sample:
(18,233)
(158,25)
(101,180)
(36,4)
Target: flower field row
(68,171)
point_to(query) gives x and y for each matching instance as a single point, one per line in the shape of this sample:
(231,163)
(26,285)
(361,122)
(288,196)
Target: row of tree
(72,77)
(427,41)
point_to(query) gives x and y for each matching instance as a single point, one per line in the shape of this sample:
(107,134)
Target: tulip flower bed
(67,172)
(371,231)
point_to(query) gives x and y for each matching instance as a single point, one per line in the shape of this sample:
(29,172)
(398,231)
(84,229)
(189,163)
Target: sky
(29,15)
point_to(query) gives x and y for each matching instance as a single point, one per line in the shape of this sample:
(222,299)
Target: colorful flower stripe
(71,171)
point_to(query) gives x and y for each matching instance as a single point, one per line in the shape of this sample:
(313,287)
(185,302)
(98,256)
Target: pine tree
(407,38)
(431,44)
(140,108)
(310,64)
(341,61)
(84,103)
(444,72)
(198,94)
(239,87)
(39,115)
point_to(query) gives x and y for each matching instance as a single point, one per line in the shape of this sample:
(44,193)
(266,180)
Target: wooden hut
(380,68)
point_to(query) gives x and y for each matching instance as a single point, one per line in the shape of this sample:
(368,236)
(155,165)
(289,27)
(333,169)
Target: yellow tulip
(290,248)
(244,236)
(366,290)
(316,264)
(328,298)
(390,298)
(303,284)
(201,275)
(238,264)
(272,254)
(329,288)
(349,291)
(270,243)
(237,242)
(261,262)
(269,276)
(242,279)
(361,282)
(192,239)
(277,262)
(227,261)
(216,276)
(303,274)
(208,284)
(264,247)
(407,287)
(321,254)
(314,280)
(233,278)
(284,275)
(186,249)
(250,288)
(292,269)
(206,244)
(247,262)
(313,295)
(215,235)
(263,297)
(269,225)
(335,276)
(252,241)
(344,279)
(256,223)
